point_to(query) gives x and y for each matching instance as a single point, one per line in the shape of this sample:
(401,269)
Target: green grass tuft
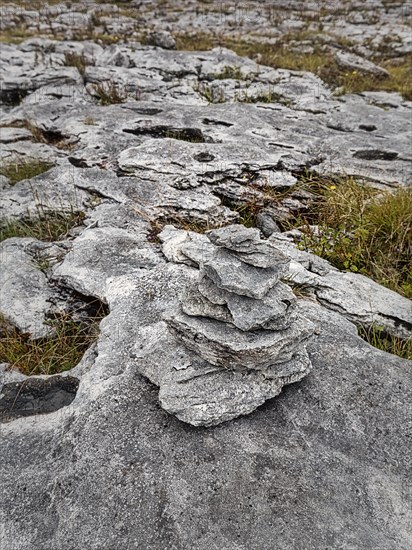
(362,230)
(45,225)
(18,170)
(377,337)
(59,352)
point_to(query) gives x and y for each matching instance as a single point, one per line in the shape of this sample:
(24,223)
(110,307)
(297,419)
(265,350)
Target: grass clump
(268,96)
(59,352)
(229,72)
(109,93)
(319,61)
(360,229)
(212,94)
(44,225)
(18,169)
(376,336)
(80,61)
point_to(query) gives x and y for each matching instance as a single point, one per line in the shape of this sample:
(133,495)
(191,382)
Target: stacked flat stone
(239,315)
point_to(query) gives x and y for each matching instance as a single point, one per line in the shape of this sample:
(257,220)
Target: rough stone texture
(245,244)
(324,465)
(233,275)
(224,346)
(325,448)
(100,253)
(275,311)
(354,62)
(355,296)
(225,329)
(24,291)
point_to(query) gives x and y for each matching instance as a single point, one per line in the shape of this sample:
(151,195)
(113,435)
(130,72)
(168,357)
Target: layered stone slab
(226,346)
(231,274)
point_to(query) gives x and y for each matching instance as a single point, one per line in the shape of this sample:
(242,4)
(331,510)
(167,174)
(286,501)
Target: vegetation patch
(379,338)
(360,229)
(19,169)
(59,352)
(319,61)
(229,72)
(109,93)
(212,94)
(44,225)
(80,61)
(268,96)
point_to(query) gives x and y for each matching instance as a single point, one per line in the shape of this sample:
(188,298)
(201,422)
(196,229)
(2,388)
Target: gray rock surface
(355,296)
(224,346)
(225,329)
(231,274)
(326,448)
(24,291)
(191,138)
(356,63)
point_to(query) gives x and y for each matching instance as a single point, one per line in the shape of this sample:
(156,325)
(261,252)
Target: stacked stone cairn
(239,315)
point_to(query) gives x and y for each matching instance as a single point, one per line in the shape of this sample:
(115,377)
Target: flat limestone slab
(275,311)
(233,275)
(224,345)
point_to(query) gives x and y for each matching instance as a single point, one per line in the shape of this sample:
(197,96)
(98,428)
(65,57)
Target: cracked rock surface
(165,435)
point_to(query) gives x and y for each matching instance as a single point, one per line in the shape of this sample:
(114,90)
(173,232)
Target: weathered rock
(173,244)
(275,311)
(222,345)
(330,455)
(203,395)
(196,304)
(354,62)
(100,253)
(163,39)
(355,296)
(267,224)
(245,244)
(347,421)
(24,290)
(235,237)
(233,275)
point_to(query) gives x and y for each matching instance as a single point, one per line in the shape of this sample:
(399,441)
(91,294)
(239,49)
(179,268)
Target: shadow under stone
(36,396)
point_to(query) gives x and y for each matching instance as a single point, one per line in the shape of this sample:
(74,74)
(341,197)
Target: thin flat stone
(275,311)
(195,304)
(226,346)
(235,237)
(205,395)
(197,251)
(262,254)
(233,275)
